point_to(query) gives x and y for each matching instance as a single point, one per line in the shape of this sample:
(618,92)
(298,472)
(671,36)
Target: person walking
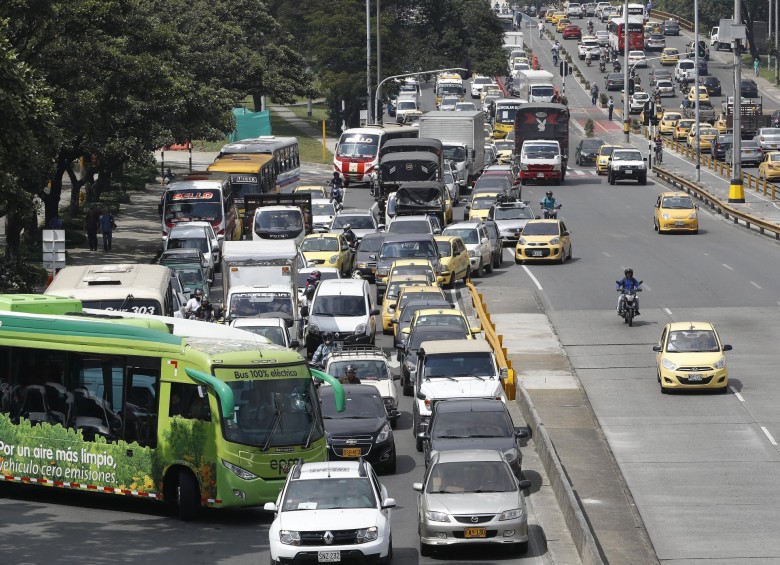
(756,65)
(594,93)
(91,227)
(610,107)
(107,226)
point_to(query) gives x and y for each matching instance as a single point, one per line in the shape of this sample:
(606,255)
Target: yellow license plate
(351,452)
(475,533)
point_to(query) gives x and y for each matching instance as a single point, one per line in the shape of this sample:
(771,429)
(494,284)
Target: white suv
(334,511)
(477,243)
(477,82)
(574,11)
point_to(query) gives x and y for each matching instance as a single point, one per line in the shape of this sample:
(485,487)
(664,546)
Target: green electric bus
(125,406)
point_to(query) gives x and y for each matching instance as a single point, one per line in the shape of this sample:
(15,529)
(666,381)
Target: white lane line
(533,278)
(755,285)
(729,268)
(768,435)
(606,254)
(739,396)
(668,312)
(647,287)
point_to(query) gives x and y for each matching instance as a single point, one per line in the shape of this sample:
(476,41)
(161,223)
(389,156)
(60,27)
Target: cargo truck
(535,86)
(279,216)
(462,138)
(543,122)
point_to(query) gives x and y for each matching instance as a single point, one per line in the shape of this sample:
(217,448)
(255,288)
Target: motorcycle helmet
(316,274)
(335,174)
(629,272)
(549,193)
(198,294)
(347,227)
(350,369)
(311,279)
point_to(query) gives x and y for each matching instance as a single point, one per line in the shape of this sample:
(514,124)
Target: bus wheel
(188,496)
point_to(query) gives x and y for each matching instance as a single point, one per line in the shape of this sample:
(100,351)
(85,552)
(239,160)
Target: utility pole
(626,115)
(696,86)
(736,190)
(379,113)
(369,105)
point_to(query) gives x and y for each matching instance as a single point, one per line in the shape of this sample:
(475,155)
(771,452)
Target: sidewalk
(289,116)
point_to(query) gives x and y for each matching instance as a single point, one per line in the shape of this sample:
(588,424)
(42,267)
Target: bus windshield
(506,114)
(358,145)
(244,184)
(193,205)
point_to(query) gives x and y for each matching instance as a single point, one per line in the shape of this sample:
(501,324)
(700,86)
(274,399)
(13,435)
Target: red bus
(617,34)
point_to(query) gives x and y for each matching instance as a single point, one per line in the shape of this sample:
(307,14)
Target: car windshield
(446,320)
(412,270)
(318,209)
(770,131)
(678,202)
(515,213)
(459,365)
(455,153)
(540,151)
(750,144)
(691,341)
(369,245)
(320,244)
(275,334)
(607,150)
(200,243)
(355,222)
(408,249)
(367,369)
(445,248)
(492,181)
(326,494)
(505,145)
(279,220)
(358,406)
(541,228)
(273,412)
(339,306)
(408,296)
(468,235)
(470,477)
(190,275)
(412,226)
(627,156)
(394,288)
(247,305)
(471,424)
(407,105)
(774,157)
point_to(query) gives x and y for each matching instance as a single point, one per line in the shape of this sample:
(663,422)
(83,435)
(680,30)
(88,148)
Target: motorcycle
(550,213)
(616,66)
(628,311)
(588,59)
(602,66)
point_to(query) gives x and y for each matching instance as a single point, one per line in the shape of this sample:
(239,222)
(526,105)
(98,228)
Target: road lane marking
(768,435)
(729,268)
(647,287)
(739,396)
(755,285)
(606,254)
(668,312)
(533,278)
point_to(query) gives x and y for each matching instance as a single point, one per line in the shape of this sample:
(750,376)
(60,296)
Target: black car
(408,353)
(703,68)
(587,150)
(405,318)
(474,423)
(366,254)
(748,88)
(712,84)
(361,430)
(721,145)
(671,27)
(613,81)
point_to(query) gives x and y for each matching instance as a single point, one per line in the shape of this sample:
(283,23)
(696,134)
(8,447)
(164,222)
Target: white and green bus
(124,406)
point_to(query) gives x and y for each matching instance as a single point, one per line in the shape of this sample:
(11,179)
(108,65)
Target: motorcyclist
(659,148)
(628,282)
(350,236)
(323,351)
(590,27)
(193,304)
(588,57)
(616,66)
(168,176)
(602,64)
(540,27)
(336,184)
(206,311)
(549,205)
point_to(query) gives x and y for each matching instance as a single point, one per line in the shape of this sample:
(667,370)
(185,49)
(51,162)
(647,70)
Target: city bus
(249,174)
(284,150)
(637,11)
(126,407)
(132,287)
(617,34)
(504,116)
(357,153)
(201,196)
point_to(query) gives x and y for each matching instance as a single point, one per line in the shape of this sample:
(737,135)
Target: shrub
(589,128)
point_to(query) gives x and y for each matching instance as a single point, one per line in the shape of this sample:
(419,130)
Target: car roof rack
(358,350)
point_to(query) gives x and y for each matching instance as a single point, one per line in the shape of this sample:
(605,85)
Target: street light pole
(696,86)
(378,57)
(736,190)
(418,73)
(626,115)
(369,105)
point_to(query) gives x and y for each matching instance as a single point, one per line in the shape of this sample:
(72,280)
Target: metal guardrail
(495,340)
(663,16)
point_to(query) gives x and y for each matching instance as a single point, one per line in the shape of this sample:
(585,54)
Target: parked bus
(125,406)
(140,288)
(617,34)
(205,196)
(284,150)
(504,116)
(249,174)
(637,11)
(357,153)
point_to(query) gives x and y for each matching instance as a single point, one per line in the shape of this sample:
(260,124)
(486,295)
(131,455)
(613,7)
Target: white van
(341,307)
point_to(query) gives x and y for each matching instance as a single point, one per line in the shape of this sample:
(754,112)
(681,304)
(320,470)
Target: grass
(310,147)
(764,72)
(319,113)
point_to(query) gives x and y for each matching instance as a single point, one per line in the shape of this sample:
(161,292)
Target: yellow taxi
(550,14)
(602,159)
(543,240)
(410,293)
(675,211)
(447,317)
(448,207)
(489,89)
(683,128)
(670,56)
(561,24)
(479,206)
(454,259)
(504,150)
(413,267)
(328,250)
(668,122)
(721,124)
(703,94)
(394,287)
(556,17)
(314,190)
(654,28)
(703,135)
(769,168)
(690,356)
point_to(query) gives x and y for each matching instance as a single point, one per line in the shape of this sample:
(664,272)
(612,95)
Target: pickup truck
(627,164)
(541,161)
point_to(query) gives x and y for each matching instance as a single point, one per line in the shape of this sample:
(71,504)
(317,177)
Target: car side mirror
(420,396)
(415,486)
(727,348)
(522,433)
(423,436)
(270,506)
(388,503)
(295,344)
(375,311)
(657,348)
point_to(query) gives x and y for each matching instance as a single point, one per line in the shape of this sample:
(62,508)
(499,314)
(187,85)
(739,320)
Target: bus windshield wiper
(274,425)
(128,299)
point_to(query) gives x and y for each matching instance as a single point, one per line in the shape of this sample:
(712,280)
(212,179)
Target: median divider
(573,514)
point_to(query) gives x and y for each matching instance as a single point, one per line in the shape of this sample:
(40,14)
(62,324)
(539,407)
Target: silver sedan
(471,497)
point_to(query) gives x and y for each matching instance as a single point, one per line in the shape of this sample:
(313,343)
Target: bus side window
(189,401)
(141,409)
(98,395)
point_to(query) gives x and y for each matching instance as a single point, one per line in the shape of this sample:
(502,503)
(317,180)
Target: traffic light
(702,53)
(570,69)
(565,68)
(647,112)
(630,87)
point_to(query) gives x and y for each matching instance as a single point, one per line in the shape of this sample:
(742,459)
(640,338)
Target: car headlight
(555,241)
(513,514)
(692,216)
(239,472)
(521,241)
(360,329)
(510,455)
(436,516)
(668,365)
(334,259)
(366,535)
(665,216)
(473,253)
(290,537)
(361,265)
(720,363)
(383,434)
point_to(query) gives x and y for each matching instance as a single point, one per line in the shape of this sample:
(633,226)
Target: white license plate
(679,224)
(328,556)
(695,377)
(629,172)
(540,175)
(536,254)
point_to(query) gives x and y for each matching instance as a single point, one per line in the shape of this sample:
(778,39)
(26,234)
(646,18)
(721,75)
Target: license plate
(540,175)
(629,172)
(328,556)
(536,254)
(694,377)
(475,533)
(679,224)
(353,167)
(351,452)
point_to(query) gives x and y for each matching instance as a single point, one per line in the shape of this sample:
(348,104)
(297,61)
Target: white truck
(462,137)
(541,161)
(535,86)
(715,40)
(278,301)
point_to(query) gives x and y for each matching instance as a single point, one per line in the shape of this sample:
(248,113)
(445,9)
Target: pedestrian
(594,93)
(610,107)
(91,224)
(107,226)
(756,65)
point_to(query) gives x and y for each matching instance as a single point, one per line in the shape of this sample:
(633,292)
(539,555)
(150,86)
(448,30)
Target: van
(404,105)
(341,307)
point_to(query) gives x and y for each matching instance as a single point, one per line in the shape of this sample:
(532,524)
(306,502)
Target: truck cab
(541,161)
(279,222)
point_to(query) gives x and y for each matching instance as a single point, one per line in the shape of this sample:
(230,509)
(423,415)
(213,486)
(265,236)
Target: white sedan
(637,59)
(449,103)
(665,88)
(638,101)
